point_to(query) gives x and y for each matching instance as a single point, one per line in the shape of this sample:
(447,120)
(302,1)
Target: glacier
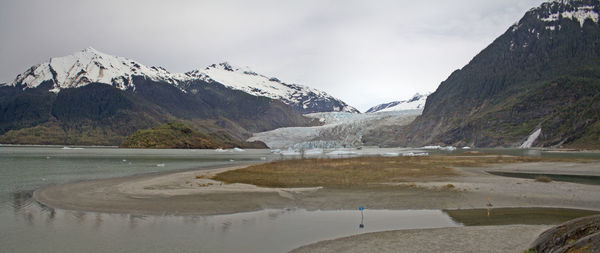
(339,129)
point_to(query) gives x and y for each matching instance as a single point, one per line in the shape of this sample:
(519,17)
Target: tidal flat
(458,184)
(122,200)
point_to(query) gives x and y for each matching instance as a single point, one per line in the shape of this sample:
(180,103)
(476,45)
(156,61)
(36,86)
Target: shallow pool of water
(55,230)
(580,179)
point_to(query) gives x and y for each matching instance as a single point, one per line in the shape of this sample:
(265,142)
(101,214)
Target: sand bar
(193,192)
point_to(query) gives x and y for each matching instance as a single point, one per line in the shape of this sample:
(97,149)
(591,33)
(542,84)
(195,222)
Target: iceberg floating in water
(314,151)
(448,148)
(415,154)
(289,152)
(341,152)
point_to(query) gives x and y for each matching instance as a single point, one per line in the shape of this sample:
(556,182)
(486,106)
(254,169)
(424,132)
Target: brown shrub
(543,179)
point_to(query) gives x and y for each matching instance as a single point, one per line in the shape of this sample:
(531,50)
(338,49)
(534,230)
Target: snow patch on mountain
(552,14)
(244,79)
(417,102)
(90,66)
(575,10)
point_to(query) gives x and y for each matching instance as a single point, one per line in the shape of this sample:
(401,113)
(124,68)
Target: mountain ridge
(532,76)
(102,114)
(92,66)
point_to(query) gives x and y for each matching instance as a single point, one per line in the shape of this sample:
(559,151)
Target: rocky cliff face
(542,73)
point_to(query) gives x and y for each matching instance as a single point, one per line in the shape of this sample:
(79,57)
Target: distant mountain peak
(553,11)
(223,65)
(90,66)
(226,66)
(416,102)
(545,21)
(579,10)
(91,50)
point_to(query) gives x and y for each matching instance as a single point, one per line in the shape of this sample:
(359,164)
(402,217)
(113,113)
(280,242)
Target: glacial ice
(340,129)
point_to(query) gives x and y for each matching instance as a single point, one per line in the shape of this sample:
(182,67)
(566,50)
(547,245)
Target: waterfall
(529,142)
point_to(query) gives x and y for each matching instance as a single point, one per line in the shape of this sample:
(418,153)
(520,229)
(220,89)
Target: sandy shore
(179,193)
(511,238)
(194,193)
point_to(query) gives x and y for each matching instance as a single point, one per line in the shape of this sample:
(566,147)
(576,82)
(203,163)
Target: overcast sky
(364,52)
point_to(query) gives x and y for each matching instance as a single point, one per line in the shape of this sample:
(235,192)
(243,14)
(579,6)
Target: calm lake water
(26,226)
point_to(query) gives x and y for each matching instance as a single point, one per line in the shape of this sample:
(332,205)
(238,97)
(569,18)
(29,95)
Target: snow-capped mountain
(92,66)
(417,102)
(303,98)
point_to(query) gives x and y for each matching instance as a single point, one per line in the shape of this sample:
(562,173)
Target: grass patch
(543,179)
(358,172)
(509,216)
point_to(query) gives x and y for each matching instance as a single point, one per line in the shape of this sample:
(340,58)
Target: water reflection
(225,226)
(98,221)
(362,217)
(260,231)
(20,200)
(49,211)
(134,220)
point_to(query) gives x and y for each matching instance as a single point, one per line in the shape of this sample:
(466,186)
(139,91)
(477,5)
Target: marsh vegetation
(360,171)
